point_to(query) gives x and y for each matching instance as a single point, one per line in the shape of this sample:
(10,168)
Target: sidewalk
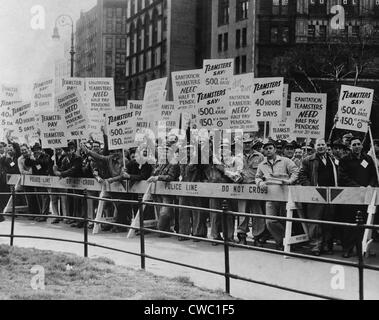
(274,269)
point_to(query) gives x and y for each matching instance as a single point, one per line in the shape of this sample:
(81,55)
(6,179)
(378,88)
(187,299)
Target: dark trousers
(124,210)
(352,236)
(216,220)
(320,234)
(44,201)
(192,221)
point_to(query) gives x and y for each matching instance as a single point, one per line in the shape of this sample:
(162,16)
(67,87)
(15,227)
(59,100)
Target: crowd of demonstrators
(326,164)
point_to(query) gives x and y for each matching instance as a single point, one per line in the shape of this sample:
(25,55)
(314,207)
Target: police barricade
(294,196)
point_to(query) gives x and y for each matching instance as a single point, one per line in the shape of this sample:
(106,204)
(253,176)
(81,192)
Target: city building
(135,41)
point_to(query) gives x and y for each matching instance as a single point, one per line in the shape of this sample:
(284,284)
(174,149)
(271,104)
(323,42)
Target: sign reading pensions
(308,112)
(100,95)
(53,130)
(71,106)
(354,108)
(121,129)
(242,115)
(212,95)
(268,98)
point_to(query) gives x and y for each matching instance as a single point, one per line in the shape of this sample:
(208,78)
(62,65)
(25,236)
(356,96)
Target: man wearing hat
(275,170)
(251,160)
(346,139)
(289,149)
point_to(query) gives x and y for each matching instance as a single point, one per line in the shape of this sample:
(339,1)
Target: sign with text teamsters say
(213,94)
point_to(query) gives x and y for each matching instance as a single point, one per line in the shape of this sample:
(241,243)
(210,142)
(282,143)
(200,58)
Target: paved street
(295,273)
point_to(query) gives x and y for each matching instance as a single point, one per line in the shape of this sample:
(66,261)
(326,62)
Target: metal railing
(360,265)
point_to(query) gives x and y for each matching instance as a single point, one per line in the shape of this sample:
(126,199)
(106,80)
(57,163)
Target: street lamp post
(62,21)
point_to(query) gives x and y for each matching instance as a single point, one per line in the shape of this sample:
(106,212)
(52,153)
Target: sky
(27,54)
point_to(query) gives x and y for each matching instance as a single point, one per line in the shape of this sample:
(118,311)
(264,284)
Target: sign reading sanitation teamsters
(71,106)
(121,127)
(354,108)
(184,86)
(268,98)
(308,112)
(53,130)
(213,93)
(241,111)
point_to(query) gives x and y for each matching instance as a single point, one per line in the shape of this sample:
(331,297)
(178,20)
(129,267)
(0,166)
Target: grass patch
(68,276)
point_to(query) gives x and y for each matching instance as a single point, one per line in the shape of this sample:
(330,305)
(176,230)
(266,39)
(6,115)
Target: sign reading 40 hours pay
(354,108)
(212,94)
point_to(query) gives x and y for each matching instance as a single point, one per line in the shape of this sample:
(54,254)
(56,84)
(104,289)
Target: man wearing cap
(346,139)
(320,170)
(275,170)
(289,149)
(356,170)
(251,160)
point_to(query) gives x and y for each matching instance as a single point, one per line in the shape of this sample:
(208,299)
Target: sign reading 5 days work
(43,96)
(71,105)
(212,95)
(53,130)
(308,112)
(121,127)
(354,108)
(268,98)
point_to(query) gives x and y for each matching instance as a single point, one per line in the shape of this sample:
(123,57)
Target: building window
(244,37)
(322,32)
(237,65)
(219,42)
(147,30)
(109,43)
(242,10)
(118,27)
(123,43)
(280,7)
(131,35)
(226,43)
(243,64)
(223,12)
(285,35)
(155,27)
(109,26)
(238,38)
(317,7)
(108,72)
(355,31)
(311,31)
(119,12)
(110,12)
(274,34)
(139,35)
(108,58)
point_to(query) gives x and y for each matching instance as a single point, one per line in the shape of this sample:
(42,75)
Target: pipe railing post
(86,201)
(226,245)
(13,189)
(142,232)
(360,222)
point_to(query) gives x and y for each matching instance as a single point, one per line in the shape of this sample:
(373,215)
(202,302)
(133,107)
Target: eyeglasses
(356,144)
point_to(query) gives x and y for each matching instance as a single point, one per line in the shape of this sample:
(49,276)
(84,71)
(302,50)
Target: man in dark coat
(356,170)
(320,170)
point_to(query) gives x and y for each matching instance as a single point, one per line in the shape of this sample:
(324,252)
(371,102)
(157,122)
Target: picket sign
(288,238)
(147,223)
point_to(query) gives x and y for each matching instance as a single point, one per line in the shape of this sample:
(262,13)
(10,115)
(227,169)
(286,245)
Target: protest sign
(153,99)
(10,96)
(20,113)
(121,129)
(268,98)
(67,84)
(71,106)
(285,112)
(184,86)
(43,96)
(282,130)
(241,111)
(29,128)
(354,108)
(168,116)
(212,94)
(100,95)
(53,130)
(308,113)
(136,106)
